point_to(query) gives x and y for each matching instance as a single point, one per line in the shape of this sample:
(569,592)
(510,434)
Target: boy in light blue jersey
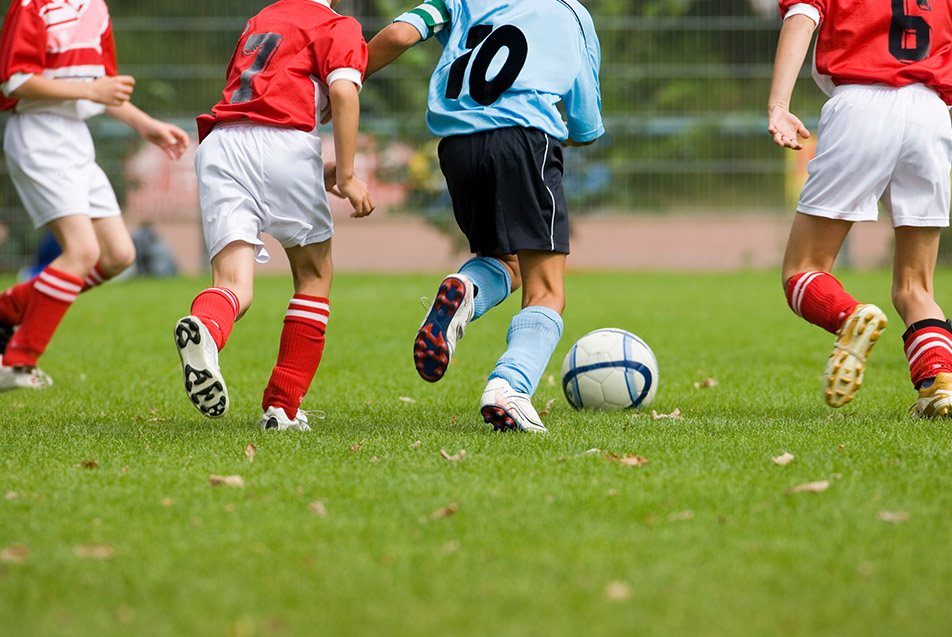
(493,97)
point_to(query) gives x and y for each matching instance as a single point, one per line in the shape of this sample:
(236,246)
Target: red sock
(217,308)
(13,302)
(928,345)
(302,344)
(820,299)
(95,278)
(53,293)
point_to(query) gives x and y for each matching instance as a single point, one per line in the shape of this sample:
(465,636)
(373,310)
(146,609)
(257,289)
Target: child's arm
(792,47)
(169,137)
(111,90)
(385,47)
(346,106)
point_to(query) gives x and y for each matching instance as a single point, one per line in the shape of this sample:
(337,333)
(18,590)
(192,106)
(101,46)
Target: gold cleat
(854,341)
(935,401)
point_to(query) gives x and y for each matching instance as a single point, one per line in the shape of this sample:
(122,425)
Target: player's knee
(84,256)
(116,262)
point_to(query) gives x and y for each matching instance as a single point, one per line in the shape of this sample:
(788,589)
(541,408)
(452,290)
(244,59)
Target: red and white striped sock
(53,294)
(302,344)
(820,299)
(13,302)
(928,345)
(217,308)
(95,278)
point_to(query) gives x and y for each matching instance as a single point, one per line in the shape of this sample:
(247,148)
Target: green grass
(705,539)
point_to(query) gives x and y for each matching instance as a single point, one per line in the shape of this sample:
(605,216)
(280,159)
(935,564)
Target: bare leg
(813,244)
(117,252)
(913,269)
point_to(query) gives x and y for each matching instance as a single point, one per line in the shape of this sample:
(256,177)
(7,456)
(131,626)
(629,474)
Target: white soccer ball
(609,369)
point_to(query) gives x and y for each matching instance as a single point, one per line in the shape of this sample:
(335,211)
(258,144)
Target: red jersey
(59,39)
(286,57)
(877,41)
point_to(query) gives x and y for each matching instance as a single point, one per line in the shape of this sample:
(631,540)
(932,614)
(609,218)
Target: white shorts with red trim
(52,162)
(882,144)
(254,179)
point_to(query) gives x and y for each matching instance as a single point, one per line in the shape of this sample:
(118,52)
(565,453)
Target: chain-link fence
(684,88)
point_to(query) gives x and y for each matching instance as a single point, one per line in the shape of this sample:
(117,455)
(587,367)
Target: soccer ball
(609,369)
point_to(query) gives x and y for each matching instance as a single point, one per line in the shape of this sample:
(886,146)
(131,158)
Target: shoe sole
(844,370)
(430,351)
(500,419)
(930,409)
(205,387)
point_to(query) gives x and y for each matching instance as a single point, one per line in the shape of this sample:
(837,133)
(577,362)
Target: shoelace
(425,302)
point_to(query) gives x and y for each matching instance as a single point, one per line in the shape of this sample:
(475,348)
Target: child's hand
(330,179)
(356,191)
(785,126)
(112,90)
(169,137)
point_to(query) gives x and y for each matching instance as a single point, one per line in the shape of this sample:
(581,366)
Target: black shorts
(506,186)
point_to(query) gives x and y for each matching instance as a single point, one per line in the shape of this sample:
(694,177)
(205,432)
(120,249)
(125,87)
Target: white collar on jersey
(326,3)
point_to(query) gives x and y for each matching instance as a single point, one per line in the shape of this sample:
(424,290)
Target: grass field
(110,526)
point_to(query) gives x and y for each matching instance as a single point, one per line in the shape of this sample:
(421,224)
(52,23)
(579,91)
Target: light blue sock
(533,335)
(491,278)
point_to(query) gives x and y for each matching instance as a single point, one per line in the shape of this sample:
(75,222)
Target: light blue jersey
(509,63)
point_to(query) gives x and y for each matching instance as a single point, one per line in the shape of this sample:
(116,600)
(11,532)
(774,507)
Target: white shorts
(52,162)
(881,143)
(254,179)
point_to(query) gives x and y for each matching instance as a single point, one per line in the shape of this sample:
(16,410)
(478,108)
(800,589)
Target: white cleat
(935,401)
(507,409)
(23,377)
(854,341)
(203,380)
(445,322)
(276,419)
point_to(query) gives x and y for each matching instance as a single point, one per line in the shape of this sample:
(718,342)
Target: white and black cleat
(203,380)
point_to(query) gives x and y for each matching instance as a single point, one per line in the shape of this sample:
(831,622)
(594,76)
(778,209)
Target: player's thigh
(543,278)
(116,246)
(813,244)
(858,145)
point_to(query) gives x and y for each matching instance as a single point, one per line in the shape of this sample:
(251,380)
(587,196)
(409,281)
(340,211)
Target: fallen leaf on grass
(317,508)
(414,445)
(355,448)
(89,464)
(228,481)
(94,551)
(707,382)
(11,495)
(14,553)
(548,407)
(455,457)
(631,459)
(407,399)
(617,591)
(167,502)
(550,380)
(250,452)
(444,512)
(893,516)
(676,414)
(811,487)
(783,458)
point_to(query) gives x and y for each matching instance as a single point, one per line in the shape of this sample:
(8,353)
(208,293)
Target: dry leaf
(11,495)
(811,487)
(446,511)
(14,553)
(676,414)
(707,382)
(89,464)
(416,444)
(893,516)
(617,591)
(375,459)
(355,448)
(167,502)
(250,452)
(550,380)
(94,551)
(317,508)
(407,399)
(455,457)
(783,458)
(631,459)
(228,481)
(548,407)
